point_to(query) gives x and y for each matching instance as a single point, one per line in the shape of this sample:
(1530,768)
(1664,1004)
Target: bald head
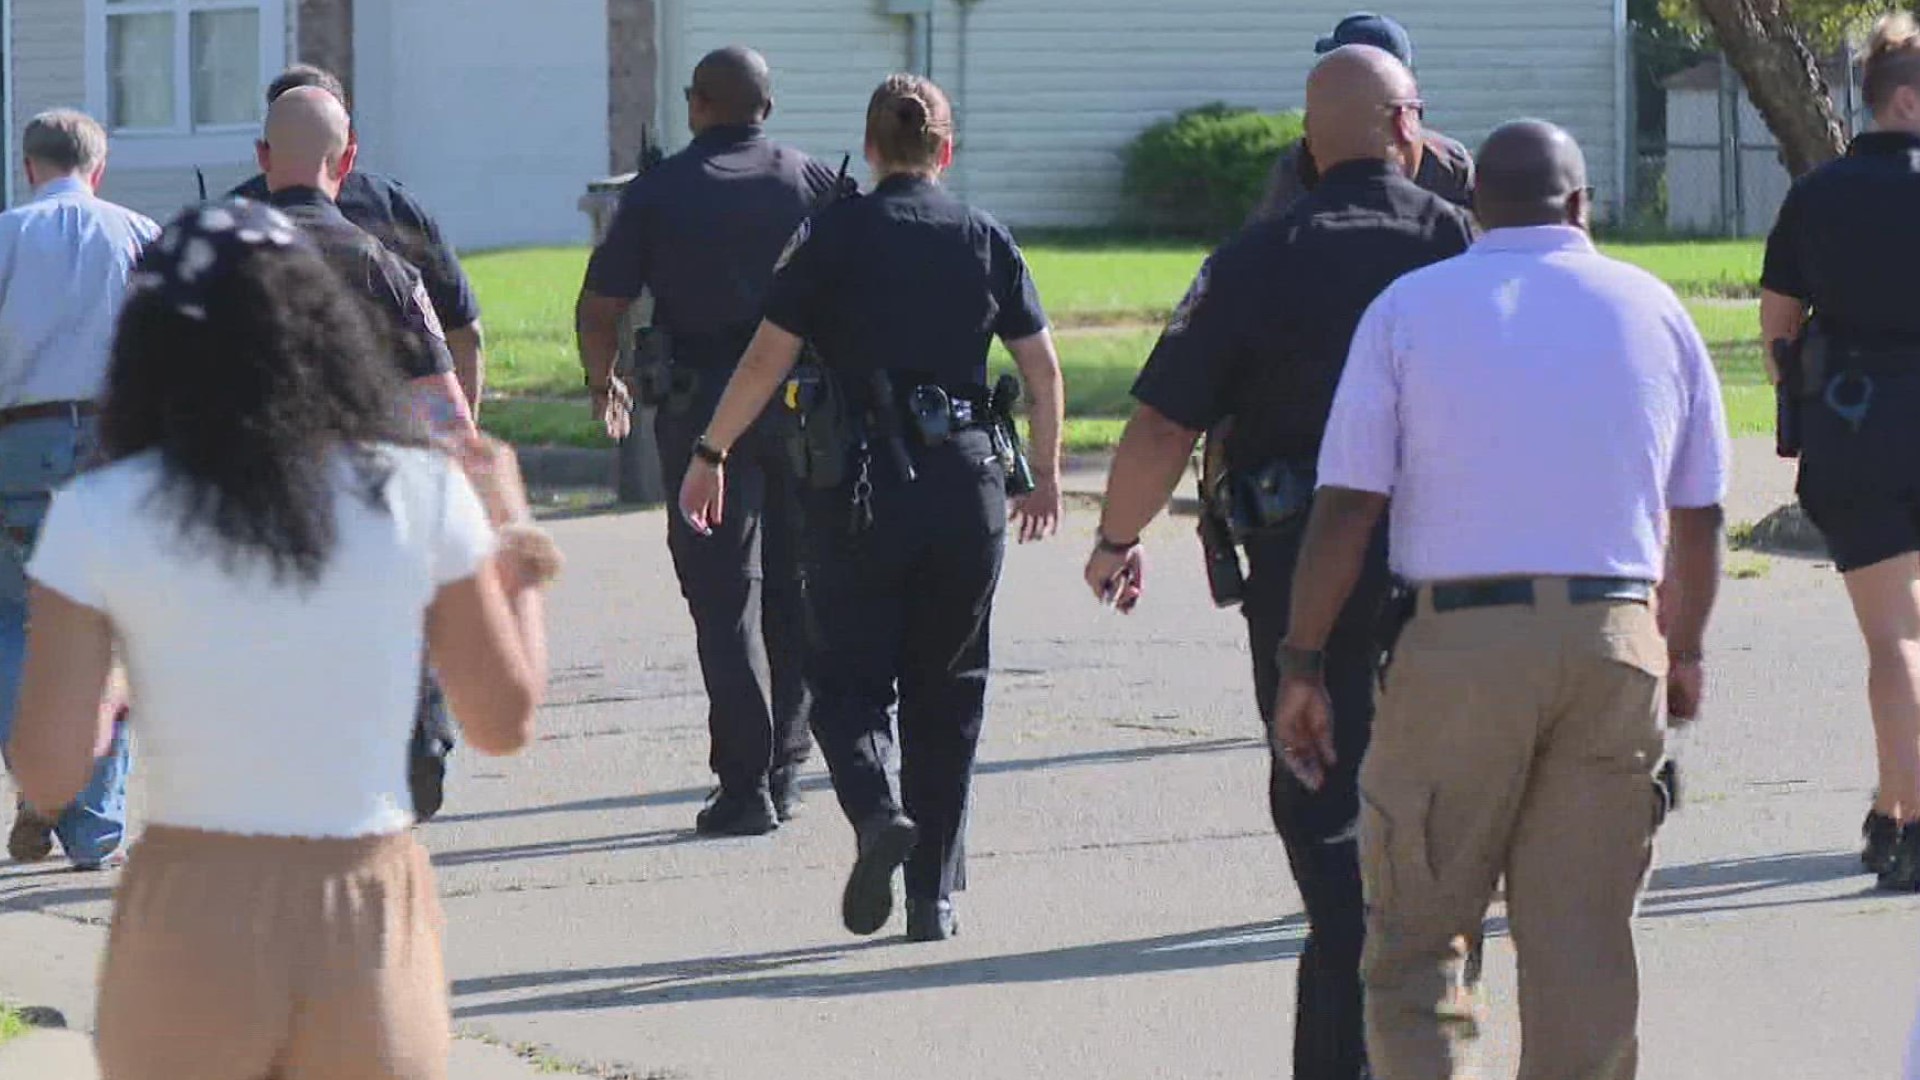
(1530,172)
(733,85)
(309,141)
(1358,107)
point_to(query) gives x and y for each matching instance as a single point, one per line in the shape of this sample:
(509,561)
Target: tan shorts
(268,958)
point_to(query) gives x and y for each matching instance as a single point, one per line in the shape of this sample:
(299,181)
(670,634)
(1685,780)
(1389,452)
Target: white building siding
(493,111)
(49,66)
(1051,91)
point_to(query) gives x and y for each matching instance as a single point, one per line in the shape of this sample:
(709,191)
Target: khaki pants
(264,958)
(1521,741)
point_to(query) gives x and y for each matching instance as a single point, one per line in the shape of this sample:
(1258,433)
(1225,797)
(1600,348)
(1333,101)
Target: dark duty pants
(902,610)
(1320,828)
(742,585)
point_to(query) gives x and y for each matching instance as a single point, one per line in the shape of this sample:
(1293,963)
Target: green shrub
(1204,170)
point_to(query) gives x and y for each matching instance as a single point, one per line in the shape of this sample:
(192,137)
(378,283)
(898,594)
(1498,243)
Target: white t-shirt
(263,707)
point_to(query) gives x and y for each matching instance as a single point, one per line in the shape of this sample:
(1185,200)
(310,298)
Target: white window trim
(183,148)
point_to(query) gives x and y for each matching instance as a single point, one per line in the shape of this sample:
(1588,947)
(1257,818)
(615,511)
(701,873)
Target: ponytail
(909,123)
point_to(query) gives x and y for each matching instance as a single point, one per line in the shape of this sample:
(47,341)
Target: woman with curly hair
(271,546)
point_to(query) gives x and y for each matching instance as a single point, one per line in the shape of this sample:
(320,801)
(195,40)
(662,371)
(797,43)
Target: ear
(98,176)
(945,160)
(1579,211)
(347,158)
(263,155)
(766,114)
(32,180)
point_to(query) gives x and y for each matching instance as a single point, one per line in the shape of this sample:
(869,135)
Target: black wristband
(708,452)
(1113,547)
(1296,663)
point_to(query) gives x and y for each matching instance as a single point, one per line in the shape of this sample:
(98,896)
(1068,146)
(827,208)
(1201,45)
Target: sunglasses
(1413,105)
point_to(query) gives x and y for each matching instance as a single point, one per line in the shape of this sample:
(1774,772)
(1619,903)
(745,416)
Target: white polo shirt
(1532,407)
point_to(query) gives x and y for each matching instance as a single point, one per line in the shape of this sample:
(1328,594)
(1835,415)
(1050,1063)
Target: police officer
(1443,167)
(1261,339)
(1840,253)
(902,293)
(702,230)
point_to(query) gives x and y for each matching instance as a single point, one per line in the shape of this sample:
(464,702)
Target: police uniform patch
(794,244)
(428,315)
(1183,314)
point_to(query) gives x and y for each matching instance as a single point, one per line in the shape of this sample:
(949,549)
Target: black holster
(1276,496)
(658,383)
(1403,602)
(821,436)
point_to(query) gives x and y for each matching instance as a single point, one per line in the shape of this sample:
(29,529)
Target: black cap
(1366,28)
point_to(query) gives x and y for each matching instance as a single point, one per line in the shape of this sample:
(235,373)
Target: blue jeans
(36,457)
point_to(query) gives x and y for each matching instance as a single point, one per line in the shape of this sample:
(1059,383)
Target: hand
(702,495)
(494,470)
(1686,686)
(1303,731)
(613,407)
(1118,577)
(1038,511)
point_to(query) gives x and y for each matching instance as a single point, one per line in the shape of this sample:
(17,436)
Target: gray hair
(65,139)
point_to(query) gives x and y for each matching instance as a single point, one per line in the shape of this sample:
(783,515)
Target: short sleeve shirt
(702,230)
(384,207)
(908,279)
(384,279)
(1263,333)
(1845,239)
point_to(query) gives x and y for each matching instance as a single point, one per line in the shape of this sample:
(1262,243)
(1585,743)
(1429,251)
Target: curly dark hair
(250,407)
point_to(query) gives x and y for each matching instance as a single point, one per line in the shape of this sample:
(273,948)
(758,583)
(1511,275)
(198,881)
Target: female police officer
(901,293)
(1841,251)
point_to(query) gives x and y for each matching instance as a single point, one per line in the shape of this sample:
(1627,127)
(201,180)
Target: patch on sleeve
(1197,292)
(794,243)
(430,317)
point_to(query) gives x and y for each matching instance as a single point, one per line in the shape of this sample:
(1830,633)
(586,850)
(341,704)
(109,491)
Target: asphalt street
(1131,915)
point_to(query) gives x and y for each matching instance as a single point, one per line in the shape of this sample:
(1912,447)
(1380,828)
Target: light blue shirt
(1533,408)
(65,258)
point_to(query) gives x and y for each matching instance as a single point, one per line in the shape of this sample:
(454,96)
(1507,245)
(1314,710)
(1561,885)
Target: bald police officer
(702,230)
(1261,339)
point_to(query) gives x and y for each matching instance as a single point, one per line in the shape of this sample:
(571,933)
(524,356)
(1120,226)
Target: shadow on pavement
(688,796)
(755,976)
(550,849)
(31,895)
(1725,885)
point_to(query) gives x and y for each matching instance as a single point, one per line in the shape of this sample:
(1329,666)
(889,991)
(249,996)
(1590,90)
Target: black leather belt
(47,410)
(1519,592)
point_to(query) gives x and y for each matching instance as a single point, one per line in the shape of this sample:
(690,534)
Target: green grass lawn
(11,1024)
(1106,297)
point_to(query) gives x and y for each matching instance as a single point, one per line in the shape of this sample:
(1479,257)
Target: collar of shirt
(905,183)
(301,196)
(1534,239)
(65,185)
(1357,172)
(1879,143)
(724,135)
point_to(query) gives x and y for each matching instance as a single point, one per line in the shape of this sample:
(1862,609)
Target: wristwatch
(1113,547)
(709,453)
(1297,663)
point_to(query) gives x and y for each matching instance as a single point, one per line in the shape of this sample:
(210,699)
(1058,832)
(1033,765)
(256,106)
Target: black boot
(787,802)
(727,814)
(931,920)
(1878,834)
(1903,863)
(885,842)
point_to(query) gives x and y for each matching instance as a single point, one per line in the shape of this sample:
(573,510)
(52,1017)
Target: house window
(182,67)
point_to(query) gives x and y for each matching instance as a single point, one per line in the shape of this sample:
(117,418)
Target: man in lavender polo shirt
(1544,420)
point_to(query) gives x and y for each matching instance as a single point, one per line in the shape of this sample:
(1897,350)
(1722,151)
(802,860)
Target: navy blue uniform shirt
(1845,240)
(1263,333)
(381,206)
(384,279)
(908,279)
(702,230)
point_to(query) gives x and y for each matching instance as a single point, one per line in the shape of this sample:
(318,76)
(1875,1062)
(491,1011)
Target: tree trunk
(1781,76)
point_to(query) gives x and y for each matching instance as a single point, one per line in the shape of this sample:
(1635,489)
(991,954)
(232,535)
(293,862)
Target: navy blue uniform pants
(1320,828)
(901,612)
(742,586)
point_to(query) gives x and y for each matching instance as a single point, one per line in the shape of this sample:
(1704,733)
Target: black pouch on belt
(1402,603)
(1276,496)
(820,439)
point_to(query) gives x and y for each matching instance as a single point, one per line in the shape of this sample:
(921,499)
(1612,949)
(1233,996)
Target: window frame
(183,144)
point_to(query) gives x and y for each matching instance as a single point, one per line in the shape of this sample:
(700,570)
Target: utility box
(636,476)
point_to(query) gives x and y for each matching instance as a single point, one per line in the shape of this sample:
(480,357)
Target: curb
(566,466)
(1789,531)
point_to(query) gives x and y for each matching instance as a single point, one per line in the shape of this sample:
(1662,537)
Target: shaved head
(1358,100)
(1530,172)
(308,138)
(734,85)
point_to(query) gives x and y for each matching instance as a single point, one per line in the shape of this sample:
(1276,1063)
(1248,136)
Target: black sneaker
(31,839)
(787,803)
(1879,833)
(727,814)
(1903,862)
(885,843)
(931,920)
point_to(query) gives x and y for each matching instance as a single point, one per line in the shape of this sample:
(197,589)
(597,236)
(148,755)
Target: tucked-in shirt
(384,207)
(270,707)
(65,258)
(1845,240)
(384,279)
(1446,169)
(908,280)
(1533,408)
(1264,330)
(702,230)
